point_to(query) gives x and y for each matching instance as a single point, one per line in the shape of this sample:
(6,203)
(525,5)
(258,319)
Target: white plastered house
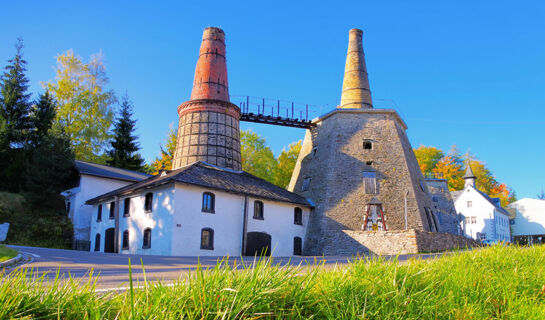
(93,180)
(528,225)
(200,210)
(485,219)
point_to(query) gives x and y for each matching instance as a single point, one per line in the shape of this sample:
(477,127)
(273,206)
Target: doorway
(109,240)
(258,243)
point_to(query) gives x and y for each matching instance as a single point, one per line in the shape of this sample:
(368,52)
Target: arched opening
(148,202)
(258,243)
(97,242)
(207,239)
(298,216)
(109,240)
(147,239)
(297,246)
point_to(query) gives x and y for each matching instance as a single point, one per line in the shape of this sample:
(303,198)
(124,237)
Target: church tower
(359,169)
(208,129)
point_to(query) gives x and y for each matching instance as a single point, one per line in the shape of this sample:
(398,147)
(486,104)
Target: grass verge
(492,283)
(6,253)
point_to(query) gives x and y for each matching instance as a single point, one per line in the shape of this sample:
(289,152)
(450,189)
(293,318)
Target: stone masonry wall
(333,160)
(212,137)
(409,241)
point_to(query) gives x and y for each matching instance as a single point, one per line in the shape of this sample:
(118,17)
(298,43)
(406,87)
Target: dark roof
(208,176)
(469,172)
(100,170)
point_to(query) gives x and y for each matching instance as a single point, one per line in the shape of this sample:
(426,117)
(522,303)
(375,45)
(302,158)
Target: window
(469,204)
(97,242)
(207,239)
(127,207)
(370,182)
(126,240)
(258,210)
(148,202)
(147,239)
(367,145)
(468,221)
(112,209)
(99,214)
(208,200)
(369,163)
(297,246)
(314,152)
(306,183)
(473,219)
(298,216)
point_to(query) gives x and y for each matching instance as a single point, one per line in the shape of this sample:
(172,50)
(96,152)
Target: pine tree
(14,120)
(124,144)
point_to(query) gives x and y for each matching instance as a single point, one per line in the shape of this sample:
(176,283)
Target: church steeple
(356,93)
(469,177)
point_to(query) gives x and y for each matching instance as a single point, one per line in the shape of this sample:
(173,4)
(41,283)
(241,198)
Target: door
(258,243)
(109,240)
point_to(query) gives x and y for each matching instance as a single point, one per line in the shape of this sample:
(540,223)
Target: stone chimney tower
(356,93)
(209,123)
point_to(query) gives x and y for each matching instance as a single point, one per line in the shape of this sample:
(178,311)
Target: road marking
(134,287)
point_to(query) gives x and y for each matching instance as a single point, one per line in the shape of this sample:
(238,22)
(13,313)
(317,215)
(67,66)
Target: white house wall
(530,218)
(89,187)
(278,223)
(189,220)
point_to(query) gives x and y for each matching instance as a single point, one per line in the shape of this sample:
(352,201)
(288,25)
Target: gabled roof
(100,170)
(209,176)
(456,195)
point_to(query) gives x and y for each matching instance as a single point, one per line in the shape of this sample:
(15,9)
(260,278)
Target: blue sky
(469,73)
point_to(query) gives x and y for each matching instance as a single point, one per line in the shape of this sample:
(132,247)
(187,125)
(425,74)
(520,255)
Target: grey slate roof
(100,170)
(209,176)
(469,172)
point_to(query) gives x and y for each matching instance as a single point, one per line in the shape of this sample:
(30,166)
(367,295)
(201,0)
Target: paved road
(113,268)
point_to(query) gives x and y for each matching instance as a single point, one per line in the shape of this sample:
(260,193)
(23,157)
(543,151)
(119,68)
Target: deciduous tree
(167,153)
(428,157)
(257,158)
(84,105)
(286,163)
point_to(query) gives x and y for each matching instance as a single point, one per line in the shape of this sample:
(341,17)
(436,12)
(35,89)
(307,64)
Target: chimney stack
(356,93)
(209,123)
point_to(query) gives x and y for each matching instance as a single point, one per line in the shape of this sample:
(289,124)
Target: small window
(148,202)
(112,209)
(473,219)
(370,182)
(306,183)
(207,239)
(258,210)
(97,242)
(147,239)
(208,200)
(367,145)
(314,152)
(469,204)
(99,214)
(127,207)
(298,216)
(369,163)
(297,246)
(126,240)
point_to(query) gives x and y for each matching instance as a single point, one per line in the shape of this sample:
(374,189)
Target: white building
(485,219)
(528,226)
(94,179)
(200,210)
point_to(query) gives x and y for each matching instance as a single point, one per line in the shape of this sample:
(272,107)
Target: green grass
(492,283)
(6,253)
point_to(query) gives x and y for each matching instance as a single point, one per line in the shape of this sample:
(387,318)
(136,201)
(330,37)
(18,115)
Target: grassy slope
(493,283)
(6,253)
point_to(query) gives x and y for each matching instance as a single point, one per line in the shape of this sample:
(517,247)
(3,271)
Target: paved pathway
(113,268)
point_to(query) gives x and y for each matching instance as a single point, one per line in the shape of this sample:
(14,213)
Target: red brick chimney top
(210,80)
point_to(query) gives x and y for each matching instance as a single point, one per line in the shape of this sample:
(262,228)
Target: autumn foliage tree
(451,166)
(164,161)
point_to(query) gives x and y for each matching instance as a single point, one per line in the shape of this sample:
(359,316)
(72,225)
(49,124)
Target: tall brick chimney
(356,93)
(209,123)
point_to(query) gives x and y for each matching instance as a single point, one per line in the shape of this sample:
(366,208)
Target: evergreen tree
(125,145)
(14,120)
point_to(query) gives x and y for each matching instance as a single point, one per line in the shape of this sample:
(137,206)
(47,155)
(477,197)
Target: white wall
(278,223)
(81,214)
(159,220)
(226,222)
(488,220)
(530,218)
(177,220)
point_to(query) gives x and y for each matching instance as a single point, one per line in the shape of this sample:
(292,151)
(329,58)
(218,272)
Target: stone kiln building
(359,169)
(205,205)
